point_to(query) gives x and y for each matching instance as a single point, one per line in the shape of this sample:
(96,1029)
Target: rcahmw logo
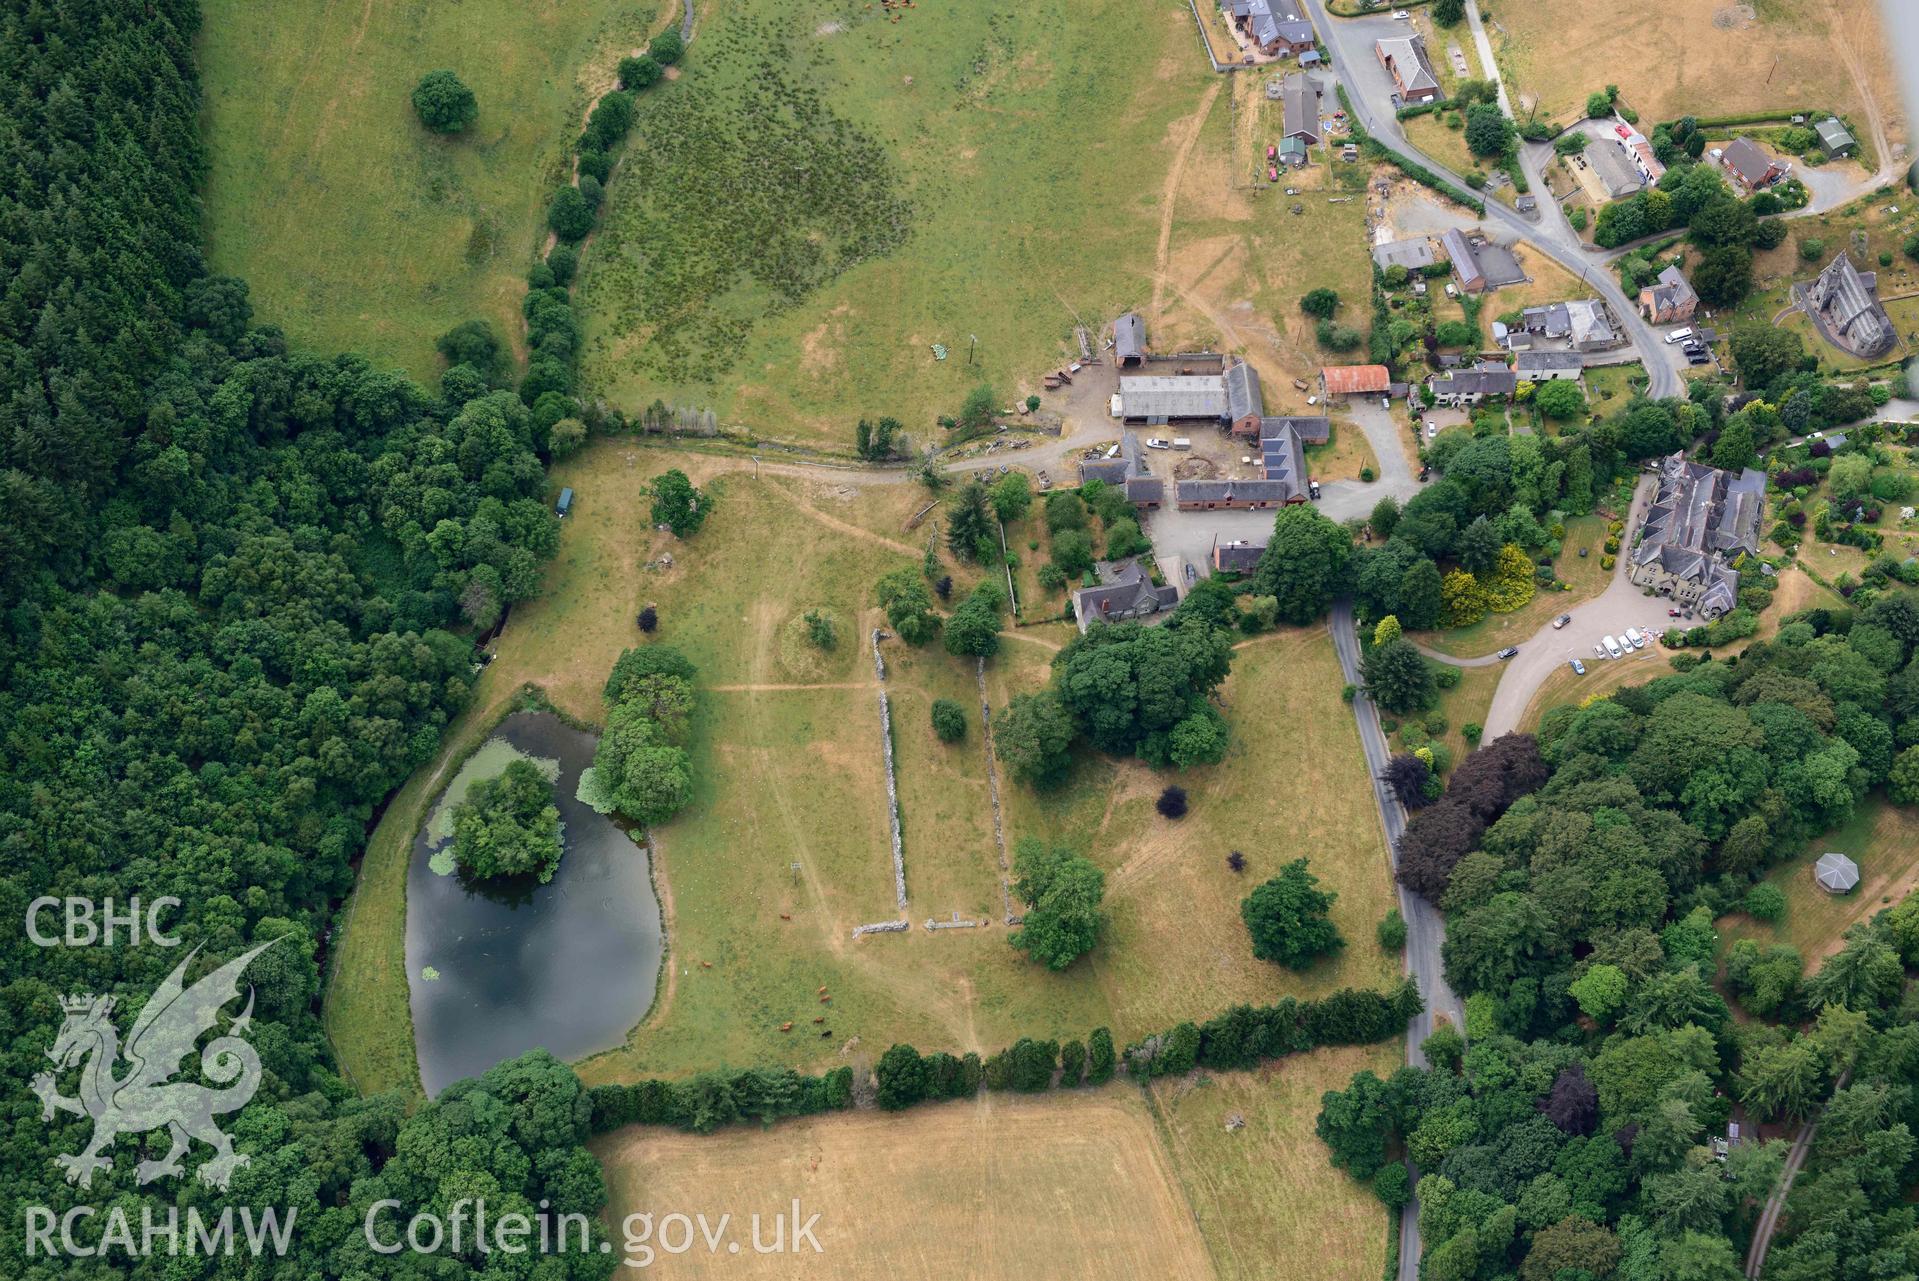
(145,1096)
(162,1231)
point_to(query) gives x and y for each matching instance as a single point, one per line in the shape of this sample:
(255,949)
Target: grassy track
(359,230)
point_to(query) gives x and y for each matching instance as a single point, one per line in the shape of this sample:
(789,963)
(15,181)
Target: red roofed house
(1356,380)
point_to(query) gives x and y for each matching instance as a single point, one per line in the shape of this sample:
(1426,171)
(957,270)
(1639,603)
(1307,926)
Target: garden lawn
(1602,677)
(1609,387)
(357,229)
(1466,703)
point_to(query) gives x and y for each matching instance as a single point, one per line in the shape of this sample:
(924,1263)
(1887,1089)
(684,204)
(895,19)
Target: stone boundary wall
(992,787)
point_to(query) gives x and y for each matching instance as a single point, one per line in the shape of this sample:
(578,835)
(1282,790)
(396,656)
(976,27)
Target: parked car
(1158,442)
(1402,15)
(1562,620)
(1634,639)
(1672,613)
(1599,651)
(1612,647)
(1700,359)
(1432,429)
(1579,668)
(1511,651)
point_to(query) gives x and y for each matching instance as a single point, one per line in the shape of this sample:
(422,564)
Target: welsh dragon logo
(144,1097)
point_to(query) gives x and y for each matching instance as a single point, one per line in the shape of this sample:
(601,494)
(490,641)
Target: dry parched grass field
(997,1187)
(1097,1183)
(1673,59)
(788,771)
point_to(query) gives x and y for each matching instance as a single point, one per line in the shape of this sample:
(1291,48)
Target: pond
(496,970)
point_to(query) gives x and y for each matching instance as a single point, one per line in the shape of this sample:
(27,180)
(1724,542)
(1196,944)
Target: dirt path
(851,530)
(1169,191)
(1875,122)
(1040,641)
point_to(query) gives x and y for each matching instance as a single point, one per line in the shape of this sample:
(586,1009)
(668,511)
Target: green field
(357,229)
(749,259)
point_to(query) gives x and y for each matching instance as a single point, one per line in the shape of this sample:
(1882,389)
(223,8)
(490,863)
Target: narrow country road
(1776,1203)
(1425,930)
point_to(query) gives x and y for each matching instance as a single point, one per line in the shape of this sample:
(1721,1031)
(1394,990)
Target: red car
(1272,174)
(1272,152)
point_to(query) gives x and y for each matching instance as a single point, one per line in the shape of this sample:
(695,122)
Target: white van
(1116,405)
(1678,335)
(1612,646)
(1635,638)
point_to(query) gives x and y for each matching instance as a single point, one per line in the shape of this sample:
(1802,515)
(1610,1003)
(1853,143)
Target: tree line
(240,588)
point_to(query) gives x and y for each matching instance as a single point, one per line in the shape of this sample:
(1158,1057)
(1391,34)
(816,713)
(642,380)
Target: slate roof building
(1700,520)
(1206,495)
(1669,300)
(1126,469)
(1547,366)
(1125,591)
(1245,403)
(1846,305)
(1410,254)
(1276,27)
(1465,387)
(1459,251)
(1299,107)
(1748,164)
(1613,165)
(1129,340)
(1412,71)
(1835,873)
(1583,322)
(1237,556)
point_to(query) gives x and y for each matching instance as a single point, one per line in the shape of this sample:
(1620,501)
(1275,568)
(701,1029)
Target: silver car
(1579,668)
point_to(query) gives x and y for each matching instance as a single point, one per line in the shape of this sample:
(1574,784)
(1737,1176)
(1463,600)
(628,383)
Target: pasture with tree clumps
(996,946)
